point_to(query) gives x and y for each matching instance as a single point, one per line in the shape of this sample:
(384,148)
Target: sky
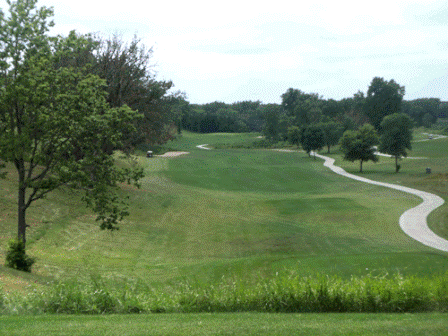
(232,51)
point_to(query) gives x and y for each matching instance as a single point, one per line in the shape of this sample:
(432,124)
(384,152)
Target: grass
(284,292)
(413,174)
(233,213)
(228,324)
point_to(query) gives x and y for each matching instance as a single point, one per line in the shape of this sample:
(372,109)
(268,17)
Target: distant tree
(313,139)
(332,133)
(294,135)
(308,111)
(272,114)
(383,98)
(423,111)
(290,99)
(359,145)
(250,115)
(304,108)
(332,108)
(396,136)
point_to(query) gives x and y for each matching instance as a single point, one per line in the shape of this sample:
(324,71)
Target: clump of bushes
(17,258)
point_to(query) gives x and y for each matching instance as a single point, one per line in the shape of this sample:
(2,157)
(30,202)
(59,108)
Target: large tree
(55,121)
(383,98)
(359,145)
(396,136)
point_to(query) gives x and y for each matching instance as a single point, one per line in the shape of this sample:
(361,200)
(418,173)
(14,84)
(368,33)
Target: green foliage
(17,258)
(423,111)
(312,139)
(359,145)
(396,136)
(332,133)
(55,123)
(304,108)
(273,127)
(294,135)
(383,98)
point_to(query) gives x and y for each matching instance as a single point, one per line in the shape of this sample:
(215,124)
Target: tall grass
(281,293)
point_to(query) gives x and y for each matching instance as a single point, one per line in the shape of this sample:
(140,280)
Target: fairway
(227,212)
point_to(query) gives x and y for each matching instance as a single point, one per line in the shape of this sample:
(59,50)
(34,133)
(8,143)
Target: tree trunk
(396,163)
(360,170)
(21,228)
(328,149)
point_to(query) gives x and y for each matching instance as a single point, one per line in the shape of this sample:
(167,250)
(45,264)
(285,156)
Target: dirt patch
(172,154)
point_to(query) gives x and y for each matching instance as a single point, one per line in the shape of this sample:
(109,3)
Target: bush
(16,256)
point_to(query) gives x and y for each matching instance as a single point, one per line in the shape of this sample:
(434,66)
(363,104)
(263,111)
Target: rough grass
(292,293)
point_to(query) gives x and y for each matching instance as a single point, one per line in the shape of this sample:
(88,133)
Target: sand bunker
(172,154)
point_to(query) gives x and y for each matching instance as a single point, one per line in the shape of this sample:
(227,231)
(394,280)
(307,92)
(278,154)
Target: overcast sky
(250,50)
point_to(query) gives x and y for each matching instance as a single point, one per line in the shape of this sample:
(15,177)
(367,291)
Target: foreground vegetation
(290,293)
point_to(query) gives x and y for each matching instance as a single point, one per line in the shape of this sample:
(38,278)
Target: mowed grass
(228,324)
(432,154)
(232,213)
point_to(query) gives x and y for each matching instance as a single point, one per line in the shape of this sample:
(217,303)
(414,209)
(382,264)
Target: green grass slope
(233,213)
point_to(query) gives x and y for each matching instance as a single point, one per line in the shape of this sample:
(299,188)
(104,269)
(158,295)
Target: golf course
(233,219)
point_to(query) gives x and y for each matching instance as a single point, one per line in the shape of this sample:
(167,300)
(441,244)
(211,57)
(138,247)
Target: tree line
(299,108)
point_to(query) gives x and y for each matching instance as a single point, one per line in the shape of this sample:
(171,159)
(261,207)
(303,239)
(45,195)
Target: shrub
(17,258)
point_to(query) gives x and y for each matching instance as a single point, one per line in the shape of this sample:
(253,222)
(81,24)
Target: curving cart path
(413,221)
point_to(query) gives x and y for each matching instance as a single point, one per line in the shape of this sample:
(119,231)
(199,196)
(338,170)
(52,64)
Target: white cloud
(227,49)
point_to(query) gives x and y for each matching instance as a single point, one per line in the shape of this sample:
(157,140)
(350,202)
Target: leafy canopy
(55,122)
(359,145)
(396,136)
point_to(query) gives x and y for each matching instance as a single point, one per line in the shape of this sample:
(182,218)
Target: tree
(383,98)
(294,135)
(332,133)
(396,136)
(272,114)
(312,139)
(305,108)
(131,80)
(55,121)
(359,145)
